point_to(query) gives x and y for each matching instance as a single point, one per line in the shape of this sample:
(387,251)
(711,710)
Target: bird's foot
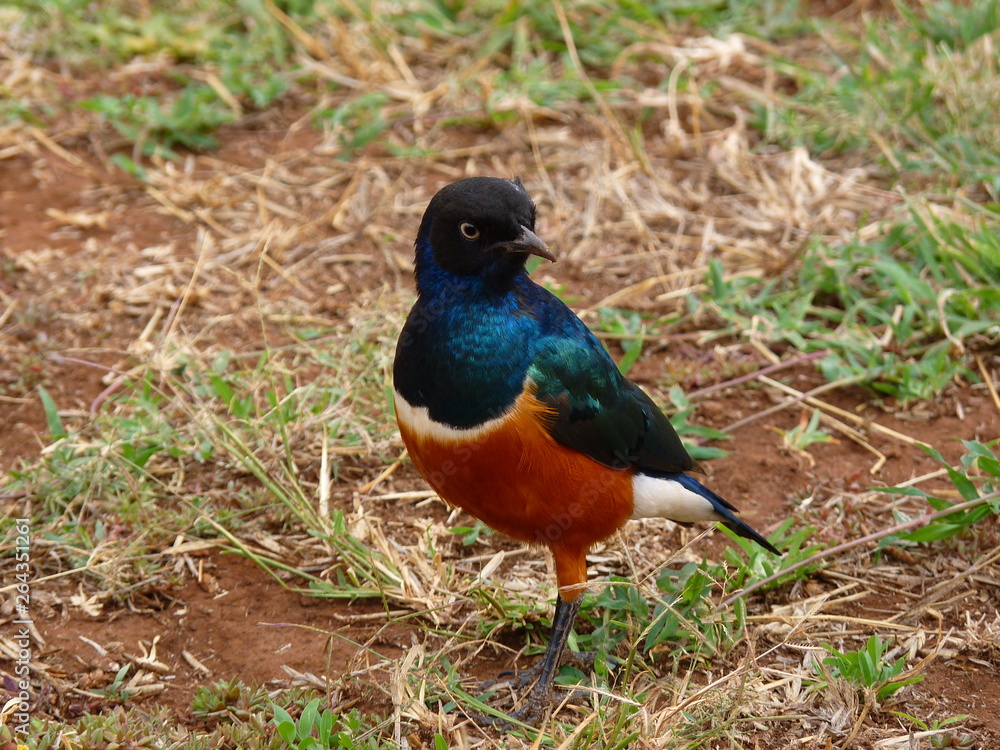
(536,706)
(520,679)
(541,697)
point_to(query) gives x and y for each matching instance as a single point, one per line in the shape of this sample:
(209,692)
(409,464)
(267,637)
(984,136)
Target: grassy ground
(781,218)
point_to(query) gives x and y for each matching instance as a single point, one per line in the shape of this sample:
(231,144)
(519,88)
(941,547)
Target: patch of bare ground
(225,619)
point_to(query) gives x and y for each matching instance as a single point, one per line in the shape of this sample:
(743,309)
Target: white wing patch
(418,420)
(653,497)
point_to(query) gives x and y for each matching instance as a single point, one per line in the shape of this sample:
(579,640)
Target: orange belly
(518,480)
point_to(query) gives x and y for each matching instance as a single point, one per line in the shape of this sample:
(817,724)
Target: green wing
(601,413)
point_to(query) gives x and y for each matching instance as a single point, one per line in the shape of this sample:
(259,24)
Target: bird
(512,410)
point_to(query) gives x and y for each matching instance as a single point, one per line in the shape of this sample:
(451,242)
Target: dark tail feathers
(724,509)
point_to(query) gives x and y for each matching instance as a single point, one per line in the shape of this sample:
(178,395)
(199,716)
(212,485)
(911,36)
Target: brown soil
(236,621)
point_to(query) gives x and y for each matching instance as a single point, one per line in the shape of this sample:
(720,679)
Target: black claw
(537,705)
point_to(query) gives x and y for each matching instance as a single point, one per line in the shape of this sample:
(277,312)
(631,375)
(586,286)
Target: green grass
(227,711)
(319,730)
(869,668)
(799,438)
(217,61)
(976,478)
(896,313)
(157,128)
(214,415)
(916,91)
(920,93)
(229,58)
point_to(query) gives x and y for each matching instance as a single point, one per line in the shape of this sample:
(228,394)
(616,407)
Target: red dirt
(238,622)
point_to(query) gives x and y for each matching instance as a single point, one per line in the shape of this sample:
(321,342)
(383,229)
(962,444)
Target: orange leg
(571,570)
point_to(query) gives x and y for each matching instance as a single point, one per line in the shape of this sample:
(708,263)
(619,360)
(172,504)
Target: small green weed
(869,669)
(679,419)
(961,741)
(942,738)
(979,475)
(142,727)
(501,609)
(470,534)
(356,122)
(13,109)
(324,730)
(363,572)
(236,700)
(683,620)
(760,564)
(115,691)
(228,713)
(156,127)
(629,328)
(680,622)
(52,418)
(799,438)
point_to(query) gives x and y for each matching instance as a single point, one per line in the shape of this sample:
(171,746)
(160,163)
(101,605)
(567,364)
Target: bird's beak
(530,243)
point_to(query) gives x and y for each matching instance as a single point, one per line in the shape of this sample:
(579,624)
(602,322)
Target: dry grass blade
(989,383)
(812,401)
(858,438)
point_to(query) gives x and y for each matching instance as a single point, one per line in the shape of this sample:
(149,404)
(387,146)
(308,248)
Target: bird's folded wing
(599,412)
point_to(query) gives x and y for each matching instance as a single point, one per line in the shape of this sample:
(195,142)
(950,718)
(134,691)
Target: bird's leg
(541,675)
(540,697)
(522,678)
(555,654)
(562,625)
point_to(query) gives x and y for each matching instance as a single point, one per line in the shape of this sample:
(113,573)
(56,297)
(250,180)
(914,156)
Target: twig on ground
(759,373)
(843,412)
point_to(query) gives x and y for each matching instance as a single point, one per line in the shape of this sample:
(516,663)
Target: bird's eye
(469,231)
